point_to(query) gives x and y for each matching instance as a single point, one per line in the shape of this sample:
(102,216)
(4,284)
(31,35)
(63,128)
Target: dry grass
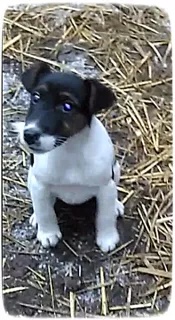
(132,51)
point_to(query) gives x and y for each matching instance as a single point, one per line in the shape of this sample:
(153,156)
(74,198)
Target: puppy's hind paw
(119,208)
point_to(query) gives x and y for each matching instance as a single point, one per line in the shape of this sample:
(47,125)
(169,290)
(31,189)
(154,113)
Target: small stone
(72,284)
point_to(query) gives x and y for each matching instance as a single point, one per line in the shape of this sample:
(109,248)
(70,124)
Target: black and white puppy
(72,152)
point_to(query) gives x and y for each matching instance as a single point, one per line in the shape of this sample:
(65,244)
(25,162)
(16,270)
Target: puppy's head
(61,105)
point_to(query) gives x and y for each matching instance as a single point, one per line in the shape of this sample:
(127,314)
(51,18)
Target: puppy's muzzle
(31,136)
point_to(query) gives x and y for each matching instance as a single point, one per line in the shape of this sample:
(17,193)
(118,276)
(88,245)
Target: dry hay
(131,48)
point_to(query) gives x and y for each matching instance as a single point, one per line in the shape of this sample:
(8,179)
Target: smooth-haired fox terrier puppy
(72,154)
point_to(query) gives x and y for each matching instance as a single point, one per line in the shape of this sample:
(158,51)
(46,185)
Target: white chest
(75,171)
(61,171)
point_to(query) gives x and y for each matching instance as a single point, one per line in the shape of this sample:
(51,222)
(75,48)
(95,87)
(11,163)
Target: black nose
(31,136)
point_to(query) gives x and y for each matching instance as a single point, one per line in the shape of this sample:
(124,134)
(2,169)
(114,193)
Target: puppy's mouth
(37,150)
(43,148)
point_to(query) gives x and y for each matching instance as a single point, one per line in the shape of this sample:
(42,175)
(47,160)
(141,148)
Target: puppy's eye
(67,107)
(35,97)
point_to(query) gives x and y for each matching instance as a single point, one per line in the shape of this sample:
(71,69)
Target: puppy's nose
(31,136)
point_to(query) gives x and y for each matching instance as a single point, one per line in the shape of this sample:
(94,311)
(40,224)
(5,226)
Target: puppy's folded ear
(99,96)
(32,75)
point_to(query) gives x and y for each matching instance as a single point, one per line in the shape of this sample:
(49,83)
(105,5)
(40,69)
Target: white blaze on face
(19,128)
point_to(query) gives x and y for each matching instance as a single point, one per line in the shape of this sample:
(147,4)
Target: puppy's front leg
(106,232)
(44,216)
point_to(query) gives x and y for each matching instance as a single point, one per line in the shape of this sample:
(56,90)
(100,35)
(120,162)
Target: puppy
(71,151)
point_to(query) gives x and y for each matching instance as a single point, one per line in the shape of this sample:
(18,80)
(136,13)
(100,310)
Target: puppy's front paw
(33,221)
(49,238)
(119,208)
(107,240)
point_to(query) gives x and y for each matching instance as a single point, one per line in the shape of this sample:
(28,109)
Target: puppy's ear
(32,75)
(99,96)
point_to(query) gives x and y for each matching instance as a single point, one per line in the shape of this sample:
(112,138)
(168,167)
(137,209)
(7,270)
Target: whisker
(62,137)
(61,140)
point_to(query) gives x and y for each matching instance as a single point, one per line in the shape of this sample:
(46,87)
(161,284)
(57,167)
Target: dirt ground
(68,279)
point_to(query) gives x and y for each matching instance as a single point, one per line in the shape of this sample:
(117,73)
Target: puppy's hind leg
(119,208)
(106,232)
